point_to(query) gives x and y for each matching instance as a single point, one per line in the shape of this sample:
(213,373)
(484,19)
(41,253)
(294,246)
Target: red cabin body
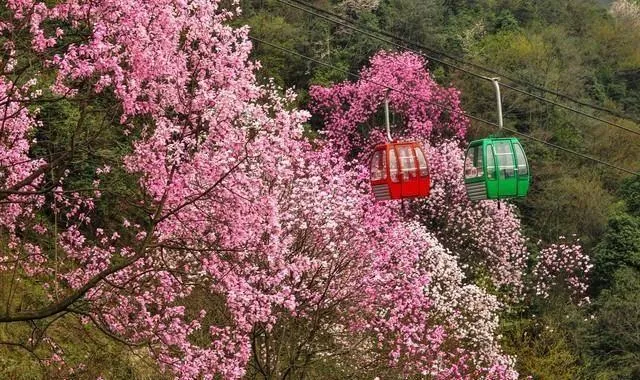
(399,170)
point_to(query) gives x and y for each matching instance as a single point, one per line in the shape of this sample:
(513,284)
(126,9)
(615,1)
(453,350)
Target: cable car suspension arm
(496,85)
(386,114)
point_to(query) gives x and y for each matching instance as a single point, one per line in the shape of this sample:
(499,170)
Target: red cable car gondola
(398,169)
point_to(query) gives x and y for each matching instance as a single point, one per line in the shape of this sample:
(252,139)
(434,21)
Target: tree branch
(37,173)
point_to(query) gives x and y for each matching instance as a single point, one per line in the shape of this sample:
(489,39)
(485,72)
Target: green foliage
(423,21)
(619,247)
(614,337)
(575,204)
(543,343)
(26,356)
(282,67)
(630,192)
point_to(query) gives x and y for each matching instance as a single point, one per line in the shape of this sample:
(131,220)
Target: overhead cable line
(473,64)
(571,109)
(444,107)
(371,32)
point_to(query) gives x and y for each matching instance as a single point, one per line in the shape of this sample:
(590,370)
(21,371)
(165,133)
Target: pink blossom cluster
(563,265)
(427,107)
(16,130)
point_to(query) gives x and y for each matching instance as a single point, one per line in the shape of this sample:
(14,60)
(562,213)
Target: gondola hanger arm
(496,85)
(386,114)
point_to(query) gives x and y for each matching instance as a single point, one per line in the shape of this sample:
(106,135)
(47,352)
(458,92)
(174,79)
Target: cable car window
(523,168)
(378,165)
(473,163)
(491,163)
(422,163)
(393,165)
(506,165)
(407,161)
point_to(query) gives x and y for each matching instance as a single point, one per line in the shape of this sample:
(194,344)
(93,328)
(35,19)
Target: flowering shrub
(626,10)
(563,265)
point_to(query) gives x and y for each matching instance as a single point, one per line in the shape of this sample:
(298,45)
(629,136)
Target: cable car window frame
(474,157)
(394,169)
(506,160)
(423,165)
(378,165)
(407,161)
(490,162)
(518,150)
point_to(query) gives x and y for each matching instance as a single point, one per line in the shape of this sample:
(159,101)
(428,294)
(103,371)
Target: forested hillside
(184,190)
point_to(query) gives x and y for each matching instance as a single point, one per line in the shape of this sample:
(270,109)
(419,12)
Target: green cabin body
(496,168)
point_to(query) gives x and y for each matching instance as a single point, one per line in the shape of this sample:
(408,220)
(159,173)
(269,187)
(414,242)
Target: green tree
(620,247)
(614,339)
(630,192)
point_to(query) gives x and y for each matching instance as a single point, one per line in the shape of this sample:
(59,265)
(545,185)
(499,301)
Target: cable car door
(522,170)
(408,170)
(507,171)
(491,178)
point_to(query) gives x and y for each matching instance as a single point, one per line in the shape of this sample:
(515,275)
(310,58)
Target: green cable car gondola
(496,168)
